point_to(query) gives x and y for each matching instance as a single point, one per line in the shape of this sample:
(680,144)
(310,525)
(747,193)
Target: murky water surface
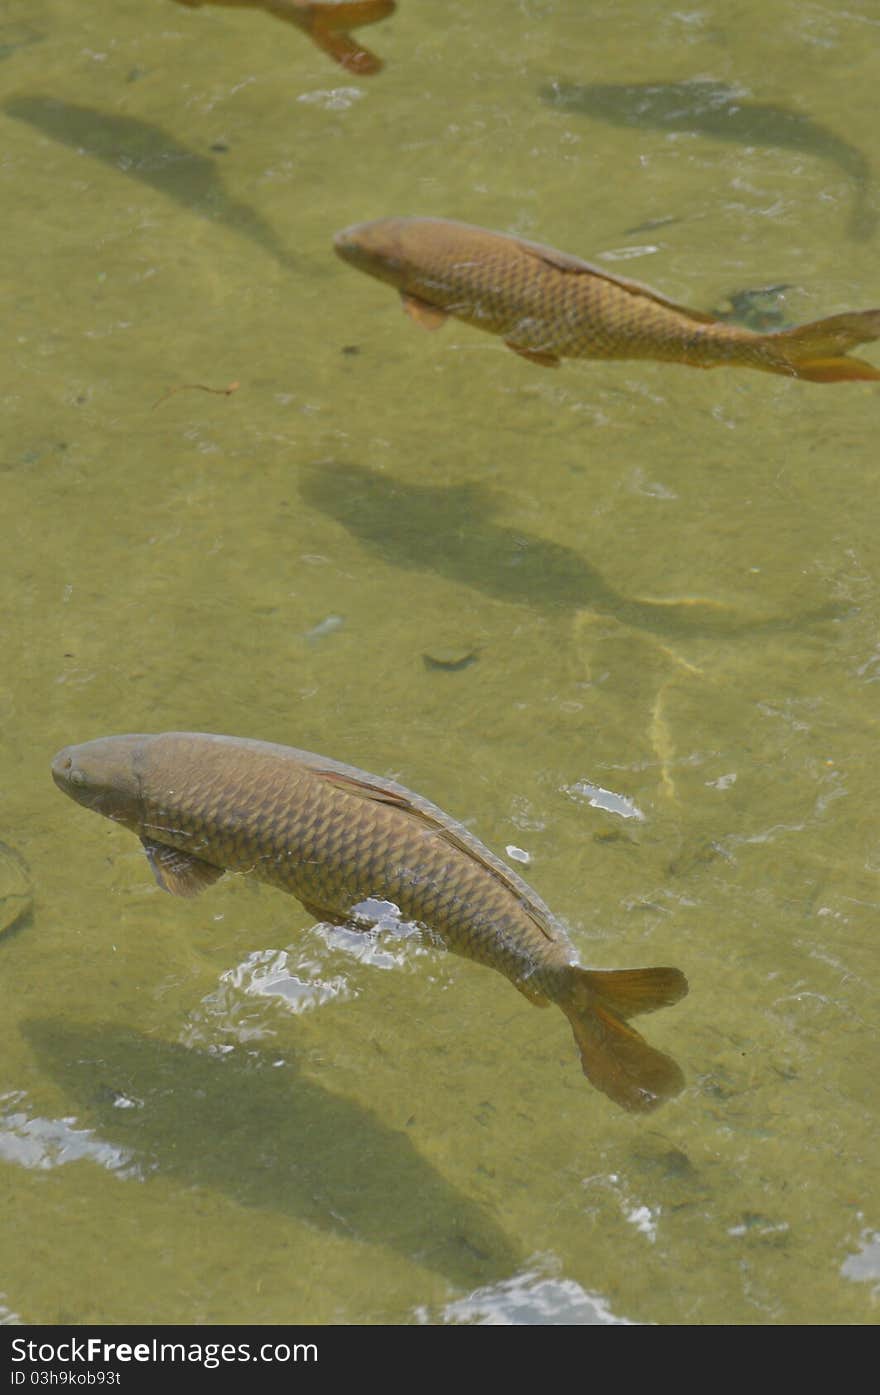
(665,583)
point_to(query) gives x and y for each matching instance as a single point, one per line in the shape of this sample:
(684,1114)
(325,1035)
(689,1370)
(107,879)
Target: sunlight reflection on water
(529,1298)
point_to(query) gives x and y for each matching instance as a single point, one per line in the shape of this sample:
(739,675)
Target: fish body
(548,305)
(336,837)
(327,25)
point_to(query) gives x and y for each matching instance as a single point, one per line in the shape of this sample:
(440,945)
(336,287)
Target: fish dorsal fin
(178,872)
(452,833)
(563,261)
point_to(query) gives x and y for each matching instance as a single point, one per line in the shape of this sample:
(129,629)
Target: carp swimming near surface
(327,25)
(548,305)
(336,837)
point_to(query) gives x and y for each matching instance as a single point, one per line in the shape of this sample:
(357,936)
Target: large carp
(336,837)
(548,305)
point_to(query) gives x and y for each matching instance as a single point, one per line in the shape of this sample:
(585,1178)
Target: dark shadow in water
(15,36)
(147,153)
(449,530)
(239,1124)
(713,109)
(16,892)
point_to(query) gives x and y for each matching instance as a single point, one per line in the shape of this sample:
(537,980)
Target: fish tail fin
(615,1057)
(345,51)
(818,351)
(328,25)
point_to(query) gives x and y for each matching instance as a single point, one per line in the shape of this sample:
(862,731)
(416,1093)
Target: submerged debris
(16,895)
(452,658)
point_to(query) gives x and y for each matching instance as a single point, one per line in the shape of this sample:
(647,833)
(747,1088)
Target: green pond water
(668,585)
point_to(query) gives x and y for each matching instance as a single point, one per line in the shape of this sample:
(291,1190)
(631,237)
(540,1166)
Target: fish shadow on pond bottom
(240,1125)
(701,106)
(147,153)
(449,529)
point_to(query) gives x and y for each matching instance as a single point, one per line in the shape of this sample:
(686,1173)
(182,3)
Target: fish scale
(336,837)
(329,848)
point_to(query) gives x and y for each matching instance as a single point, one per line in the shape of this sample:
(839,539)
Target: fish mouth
(372,247)
(347,235)
(74,781)
(65,772)
(348,243)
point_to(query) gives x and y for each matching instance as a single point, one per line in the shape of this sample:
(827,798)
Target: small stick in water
(200,387)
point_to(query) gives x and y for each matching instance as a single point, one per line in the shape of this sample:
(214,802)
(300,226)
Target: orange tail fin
(817,351)
(615,1057)
(345,51)
(328,25)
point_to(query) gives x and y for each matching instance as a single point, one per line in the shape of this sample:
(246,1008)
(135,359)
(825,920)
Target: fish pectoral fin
(178,872)
(546,360)
(424,314)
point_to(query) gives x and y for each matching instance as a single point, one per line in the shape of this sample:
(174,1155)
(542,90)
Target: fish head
(104,775)
(377,248)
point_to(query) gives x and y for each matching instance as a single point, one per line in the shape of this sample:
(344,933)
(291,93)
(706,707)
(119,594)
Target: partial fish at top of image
(327,25)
